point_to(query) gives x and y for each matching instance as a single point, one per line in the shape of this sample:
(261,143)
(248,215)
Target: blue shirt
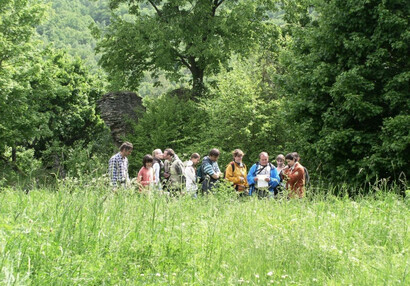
(256,169)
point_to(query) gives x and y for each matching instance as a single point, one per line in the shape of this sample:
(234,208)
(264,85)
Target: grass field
(91,236)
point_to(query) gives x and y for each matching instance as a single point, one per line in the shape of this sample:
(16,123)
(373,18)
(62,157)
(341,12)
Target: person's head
(296,156)
(280,159)
(263,158)
(237,155)
(195,158)
(157,153)
(126,149)
(214,154)
(147,161)
(168,154)
(290,159)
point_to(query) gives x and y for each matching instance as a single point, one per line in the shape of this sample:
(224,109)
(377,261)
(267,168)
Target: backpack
(233,167)
(307,178)
(181,168)
(200,173)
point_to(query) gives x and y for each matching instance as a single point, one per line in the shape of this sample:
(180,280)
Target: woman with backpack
(236,172)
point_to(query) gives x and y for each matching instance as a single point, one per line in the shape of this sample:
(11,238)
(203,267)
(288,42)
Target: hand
(267,179)
(255,179)
(166,175)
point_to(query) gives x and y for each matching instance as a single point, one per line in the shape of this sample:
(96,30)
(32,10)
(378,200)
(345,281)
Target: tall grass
(86,234)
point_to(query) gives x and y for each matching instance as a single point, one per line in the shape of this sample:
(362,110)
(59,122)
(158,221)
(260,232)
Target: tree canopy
(347,78)
(175,35)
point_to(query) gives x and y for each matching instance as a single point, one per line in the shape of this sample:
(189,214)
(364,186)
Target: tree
(175,35)
(245,113)
(347,78)
(18,19)
(47,97)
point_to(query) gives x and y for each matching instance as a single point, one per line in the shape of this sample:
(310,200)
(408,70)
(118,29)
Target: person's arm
(299,174)
(274,178)
(190,174)
(250,177)
(113,172)
(210,171)
(167,167)
(246,183)
(229,174)
(140,177)
(157,169)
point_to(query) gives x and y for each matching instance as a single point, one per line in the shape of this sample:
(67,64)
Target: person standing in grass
(190,173)
(210,172)
(297,158)
(146,176)
(280,163)
(236,172)
(294,175)
(175,172)
(118,166)
(263,170)
(158,166)
(280,166)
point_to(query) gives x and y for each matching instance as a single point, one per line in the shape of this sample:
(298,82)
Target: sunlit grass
(89,235)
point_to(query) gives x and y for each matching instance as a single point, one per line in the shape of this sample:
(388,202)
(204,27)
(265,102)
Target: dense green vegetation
(327,79)
(81,233)
(352,99)
(47,101)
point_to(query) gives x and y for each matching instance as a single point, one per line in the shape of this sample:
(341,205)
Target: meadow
(84,234)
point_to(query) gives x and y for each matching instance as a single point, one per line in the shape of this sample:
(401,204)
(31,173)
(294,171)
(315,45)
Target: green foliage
(47,97)
(347,74)
(67,27)
(16,67)
(245,113)
(169,122)
(176,35)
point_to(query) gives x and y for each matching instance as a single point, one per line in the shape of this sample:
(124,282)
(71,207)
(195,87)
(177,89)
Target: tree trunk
(198,88)
(13,154)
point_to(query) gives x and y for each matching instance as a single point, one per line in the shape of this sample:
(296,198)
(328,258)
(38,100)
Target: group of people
(165,171)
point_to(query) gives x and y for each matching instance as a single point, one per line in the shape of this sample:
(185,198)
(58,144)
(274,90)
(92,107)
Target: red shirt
(146,176)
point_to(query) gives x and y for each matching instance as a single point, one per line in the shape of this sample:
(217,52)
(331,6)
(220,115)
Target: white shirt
(190,176)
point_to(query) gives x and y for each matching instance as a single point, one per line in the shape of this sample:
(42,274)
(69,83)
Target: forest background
(328,79)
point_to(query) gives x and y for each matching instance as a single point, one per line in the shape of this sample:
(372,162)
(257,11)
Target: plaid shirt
(118,169)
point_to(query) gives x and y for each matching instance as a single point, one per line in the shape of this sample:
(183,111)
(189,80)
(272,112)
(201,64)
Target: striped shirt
(210,167)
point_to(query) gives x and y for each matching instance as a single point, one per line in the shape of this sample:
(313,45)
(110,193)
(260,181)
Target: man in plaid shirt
(118,166)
